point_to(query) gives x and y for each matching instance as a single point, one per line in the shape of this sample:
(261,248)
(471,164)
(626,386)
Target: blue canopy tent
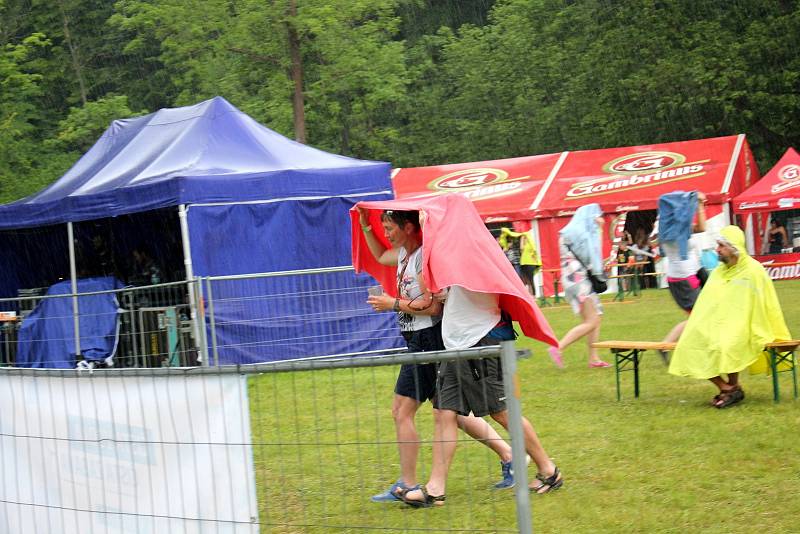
(250,201)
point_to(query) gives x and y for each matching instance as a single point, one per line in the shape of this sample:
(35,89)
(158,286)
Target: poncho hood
(735,236)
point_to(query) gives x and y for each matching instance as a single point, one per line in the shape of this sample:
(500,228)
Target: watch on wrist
(396,306)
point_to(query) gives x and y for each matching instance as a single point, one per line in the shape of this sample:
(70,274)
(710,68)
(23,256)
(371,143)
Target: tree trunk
(73,52)
(345,115)
(298,104)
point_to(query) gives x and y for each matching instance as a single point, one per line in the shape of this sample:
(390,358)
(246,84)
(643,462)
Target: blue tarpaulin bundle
(47,335)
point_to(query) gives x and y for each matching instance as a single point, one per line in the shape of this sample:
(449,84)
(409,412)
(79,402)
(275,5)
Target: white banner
(133,454)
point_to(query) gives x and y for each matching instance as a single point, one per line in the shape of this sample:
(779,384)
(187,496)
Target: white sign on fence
(133,454)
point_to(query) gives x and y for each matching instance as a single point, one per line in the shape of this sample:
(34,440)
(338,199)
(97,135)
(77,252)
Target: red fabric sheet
(457,250)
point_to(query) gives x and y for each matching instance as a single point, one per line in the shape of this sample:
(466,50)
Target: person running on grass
(676,212)
(478,264)
(580,250)
(474,319)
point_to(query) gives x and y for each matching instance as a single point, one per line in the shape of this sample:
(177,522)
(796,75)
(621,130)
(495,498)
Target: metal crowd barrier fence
(210,321)
(290,446)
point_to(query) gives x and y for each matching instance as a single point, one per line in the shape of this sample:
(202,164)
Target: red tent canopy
(632,178)
(779,189)
(551,187)
(502,190)
(619,179)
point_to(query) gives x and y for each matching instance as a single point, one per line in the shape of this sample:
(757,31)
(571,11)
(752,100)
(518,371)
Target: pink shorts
(694,282)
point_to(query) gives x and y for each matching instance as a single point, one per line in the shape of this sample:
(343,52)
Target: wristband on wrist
(366,228)
(396,306)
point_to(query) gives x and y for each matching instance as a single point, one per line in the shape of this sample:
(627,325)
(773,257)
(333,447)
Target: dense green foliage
(414,82)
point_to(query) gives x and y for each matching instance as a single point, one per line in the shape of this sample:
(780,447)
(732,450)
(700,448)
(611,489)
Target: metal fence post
(508,356)
(76,321)
(212,324)
(199,318)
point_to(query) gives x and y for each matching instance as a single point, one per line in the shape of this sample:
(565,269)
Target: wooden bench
(627,356)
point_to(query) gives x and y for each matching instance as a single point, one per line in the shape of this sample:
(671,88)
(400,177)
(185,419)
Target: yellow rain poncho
(736,314)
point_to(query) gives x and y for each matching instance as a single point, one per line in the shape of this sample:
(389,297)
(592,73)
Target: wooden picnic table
(634,288)
(556,298)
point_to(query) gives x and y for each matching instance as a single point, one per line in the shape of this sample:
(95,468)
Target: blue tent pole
(74,279)
(187,262)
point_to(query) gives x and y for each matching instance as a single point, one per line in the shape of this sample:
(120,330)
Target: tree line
(413,82)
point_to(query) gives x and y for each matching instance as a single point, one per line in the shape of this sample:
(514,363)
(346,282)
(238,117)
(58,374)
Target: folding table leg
(621,357)
(773,364)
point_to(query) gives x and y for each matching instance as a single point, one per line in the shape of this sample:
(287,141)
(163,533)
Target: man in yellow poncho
(530,262)
(736,314)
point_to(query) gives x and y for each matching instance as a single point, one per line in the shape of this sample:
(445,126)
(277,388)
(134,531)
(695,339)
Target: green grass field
(666,462)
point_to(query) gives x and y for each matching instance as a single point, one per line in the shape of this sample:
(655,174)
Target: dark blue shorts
(418,380)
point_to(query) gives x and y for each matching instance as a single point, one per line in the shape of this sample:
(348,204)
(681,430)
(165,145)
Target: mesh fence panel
(285,447)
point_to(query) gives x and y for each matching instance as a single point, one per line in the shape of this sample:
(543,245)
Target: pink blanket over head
(458,250)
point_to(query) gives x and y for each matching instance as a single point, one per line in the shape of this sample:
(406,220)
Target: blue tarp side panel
(209,152)
(282,318)
(47,335)
(269,237)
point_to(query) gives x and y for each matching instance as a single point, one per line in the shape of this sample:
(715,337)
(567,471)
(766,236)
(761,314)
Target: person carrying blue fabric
(580,250)
(685,273)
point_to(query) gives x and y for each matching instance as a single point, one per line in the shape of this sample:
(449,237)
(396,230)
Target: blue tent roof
(209,152)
